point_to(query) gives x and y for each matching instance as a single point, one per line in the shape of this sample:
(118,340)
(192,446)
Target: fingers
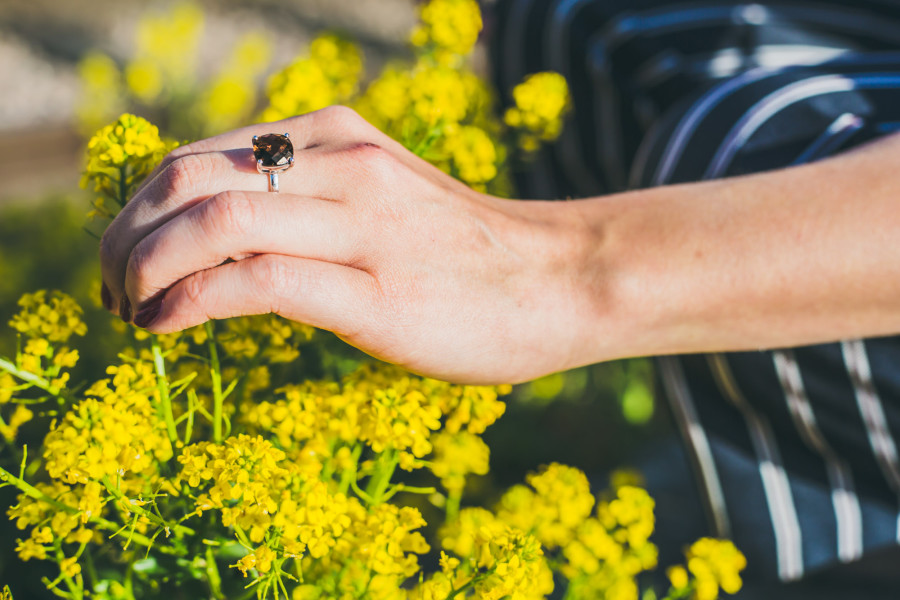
(191,179)
(237,225)
(324,295)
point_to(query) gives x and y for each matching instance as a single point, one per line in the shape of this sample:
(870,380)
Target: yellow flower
(456,456)
(473,154)
(438,94)
(19,417)
(450,26)
(47,521)
(387,97)
(678,576)
(329,75)
(541,103)
(7,387)
(715,564)
(560,502)
(260,559)
(52,315)
(114,431)
(510,562)
(28,549)
(255,487)
(120,156)
(70,567)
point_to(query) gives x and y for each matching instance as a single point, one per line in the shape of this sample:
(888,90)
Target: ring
(274,153)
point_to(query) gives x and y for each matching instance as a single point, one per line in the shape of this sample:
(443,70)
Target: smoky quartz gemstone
(273,150)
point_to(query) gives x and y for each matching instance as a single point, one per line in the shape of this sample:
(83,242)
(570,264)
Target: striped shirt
(795,451)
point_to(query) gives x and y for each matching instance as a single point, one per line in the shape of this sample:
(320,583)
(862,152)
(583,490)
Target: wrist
(579,310)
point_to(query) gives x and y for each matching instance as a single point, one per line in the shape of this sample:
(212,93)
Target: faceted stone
(273,149)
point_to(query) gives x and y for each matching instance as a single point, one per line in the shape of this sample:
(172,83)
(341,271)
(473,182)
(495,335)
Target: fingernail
(148,314)
(106,297)
(125,308)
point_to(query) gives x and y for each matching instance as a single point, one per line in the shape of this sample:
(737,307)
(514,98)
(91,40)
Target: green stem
(35,494)
(409,489)
(215,374)
(76,588)
(35,380)
(348,475)
(189,428)
(469,584)
(153,518)
(452,508)
(212,575)
(381,478)
(162,384)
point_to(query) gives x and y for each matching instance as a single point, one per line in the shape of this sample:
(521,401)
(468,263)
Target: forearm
(797,256)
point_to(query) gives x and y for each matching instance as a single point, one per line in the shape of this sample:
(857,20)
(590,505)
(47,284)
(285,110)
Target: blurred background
(47,47)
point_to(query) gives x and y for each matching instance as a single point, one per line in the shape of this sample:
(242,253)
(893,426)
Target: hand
(365,240)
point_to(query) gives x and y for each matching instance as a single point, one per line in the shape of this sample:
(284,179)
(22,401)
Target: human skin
(406,263)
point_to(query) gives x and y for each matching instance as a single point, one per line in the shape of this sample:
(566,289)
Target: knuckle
(377,164)
(231,213)
(139,264)
(340,118)
(341,112)
(194,291)
(275,274)
(183,173)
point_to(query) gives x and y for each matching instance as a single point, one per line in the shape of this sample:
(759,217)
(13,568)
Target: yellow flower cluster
(372,558)
(442,114)
(456,456)
(383,406)
(9,426)
(711,565)
(46,321)
(542,101)
(560,501)
(264,338)
(449,28)
(5,594)
(609,551)
(473,153)
(497,560)
(329,75)
(260,493)
(119,157)
(49,524)
(53,316)
(113,433)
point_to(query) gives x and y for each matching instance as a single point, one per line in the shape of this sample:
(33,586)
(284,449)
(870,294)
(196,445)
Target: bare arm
(797,256)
